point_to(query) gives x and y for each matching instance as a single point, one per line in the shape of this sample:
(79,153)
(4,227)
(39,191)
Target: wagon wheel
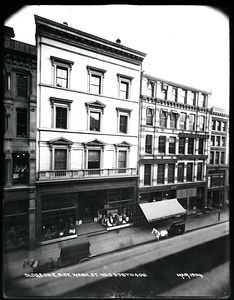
(83,260)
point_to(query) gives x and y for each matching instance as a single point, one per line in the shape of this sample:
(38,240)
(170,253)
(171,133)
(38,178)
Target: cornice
(97,45)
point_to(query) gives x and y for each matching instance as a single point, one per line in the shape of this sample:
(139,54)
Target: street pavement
(109,241)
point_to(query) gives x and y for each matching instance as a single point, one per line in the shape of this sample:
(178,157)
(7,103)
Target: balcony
(84,173)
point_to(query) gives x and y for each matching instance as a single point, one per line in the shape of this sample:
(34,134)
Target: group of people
(114,219)
(69,228)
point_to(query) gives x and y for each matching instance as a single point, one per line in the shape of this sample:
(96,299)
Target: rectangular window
(184,96)
(94,159)
(171,172)
(122,159)
(180,177)
(22,85)
(217,140)
(162,144)
(60,159)
(202,123)
(183,121)
(95,84)
(163,119)
(181,145)
(217,158)
(174,94)
(222,158)
(148,144)
(223,141)
(172,143)
(199,171)
(22,121)
(200,146)
(190,146)
(191,122)
(61,117)
(161,172)
(123,124)
(202,100)
(219,125)
(173,120)
(149,116)
(213,124)
(124,89)
(147,175)
(189,172)
(224,125)
(62,77)
(193,98)
(212,139)
(94,121)
(211,157)
(164,89)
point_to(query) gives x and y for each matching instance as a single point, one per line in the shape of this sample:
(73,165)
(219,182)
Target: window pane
(181,145)
(173,120)
(22,122)
(94,159)
(189,171)
(94,121)
(182,121)
(180,172)
(172,142)
(123,124)
(60,159)
(22,82)
(163,119)
(95,86)
(160,177)
(191,122)
(61,117)
(190,145)
(171,170)
(149,116)
(199,171)
(161,144)
(148,144)
(147,175)
(62,77)
(212,157)
(200,146)
(124,90)
(122,159)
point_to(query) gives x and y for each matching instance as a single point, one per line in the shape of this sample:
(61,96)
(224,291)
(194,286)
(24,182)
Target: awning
(162,209)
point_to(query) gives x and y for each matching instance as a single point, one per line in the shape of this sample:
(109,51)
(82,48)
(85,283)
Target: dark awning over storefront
(162,209)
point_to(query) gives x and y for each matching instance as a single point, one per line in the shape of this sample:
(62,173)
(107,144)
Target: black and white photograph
(115,165)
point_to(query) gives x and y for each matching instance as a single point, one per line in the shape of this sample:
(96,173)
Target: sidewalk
(109,241)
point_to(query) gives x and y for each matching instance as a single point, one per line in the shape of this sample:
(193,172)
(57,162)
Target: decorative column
(196,146)
(141,175)
(32,219)
(195,171)
(166,174)
(176,173)
(185,171)
(155,174)
(167,146)
(155,145)
(8,169)
(177,146)
(186,146)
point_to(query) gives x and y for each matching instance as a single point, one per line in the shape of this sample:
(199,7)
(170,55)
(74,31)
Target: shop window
(60,159)
(22,122)
(161,174)
(174,94)
(183,121)
(171,172)
(222,158)
(163,119)
(149,116)
(162,144)
(180,176)
(94,159)
(22,85)
(96,79)
(199,171)
(172,145)
(181,145)
(173,118)
(190,146)
(58,216)
(148,144)
(211,157)
(201,146)
(20,168)
(189,172)
(192,122)
(147,175)
(61,71)
(124,86)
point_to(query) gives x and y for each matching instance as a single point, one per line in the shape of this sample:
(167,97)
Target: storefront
(61,211)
